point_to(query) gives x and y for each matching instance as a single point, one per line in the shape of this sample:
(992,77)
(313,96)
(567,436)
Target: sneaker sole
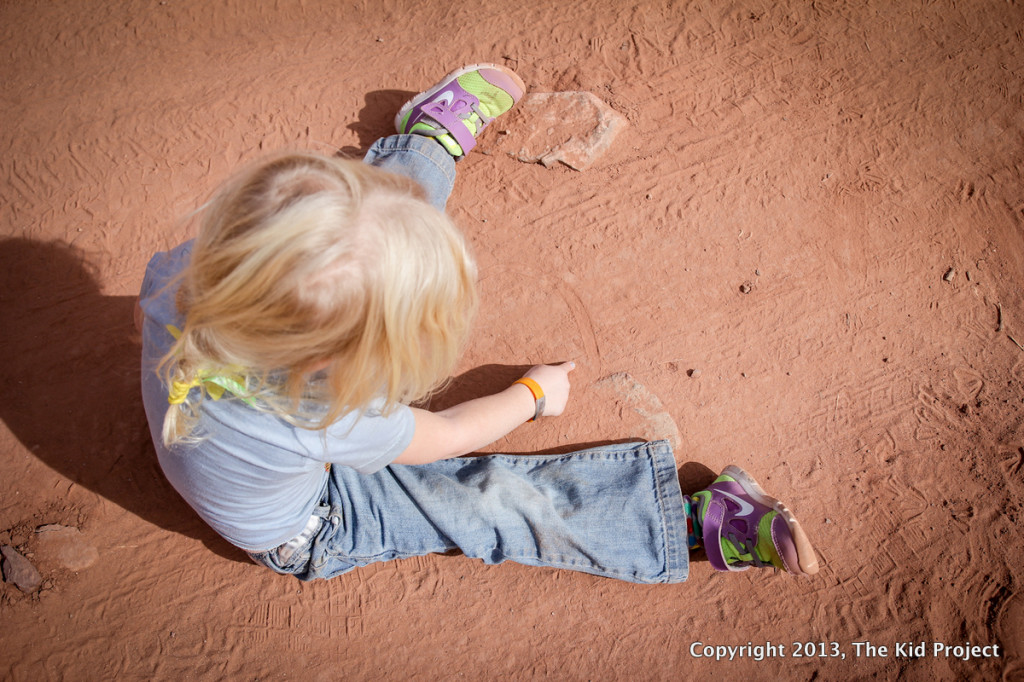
(423,96)
(808,561)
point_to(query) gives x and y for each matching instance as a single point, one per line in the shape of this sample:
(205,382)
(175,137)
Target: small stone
(757,272)
(19,570)
(745,288)
(65,546)
(694,373)
(950,274)
(573,128)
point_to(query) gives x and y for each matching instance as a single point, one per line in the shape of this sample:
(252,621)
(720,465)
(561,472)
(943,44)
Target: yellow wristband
(538,395)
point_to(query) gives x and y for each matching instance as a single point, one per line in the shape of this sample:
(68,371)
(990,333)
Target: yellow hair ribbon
(179,391)
(215,384)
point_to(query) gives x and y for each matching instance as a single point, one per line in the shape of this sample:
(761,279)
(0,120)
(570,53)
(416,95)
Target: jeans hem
(420,158)
(673,514)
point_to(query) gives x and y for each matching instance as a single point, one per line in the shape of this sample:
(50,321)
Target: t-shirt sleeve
(370,441)
(158,291)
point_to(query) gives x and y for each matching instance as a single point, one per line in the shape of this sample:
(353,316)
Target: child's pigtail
(180,418)
(180,375)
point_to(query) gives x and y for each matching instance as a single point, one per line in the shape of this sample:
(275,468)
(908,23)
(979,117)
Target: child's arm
(471,425)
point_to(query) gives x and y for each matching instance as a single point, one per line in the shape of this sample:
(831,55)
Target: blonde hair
(304,261)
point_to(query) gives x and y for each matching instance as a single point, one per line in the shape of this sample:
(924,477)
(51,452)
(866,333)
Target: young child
(283,347)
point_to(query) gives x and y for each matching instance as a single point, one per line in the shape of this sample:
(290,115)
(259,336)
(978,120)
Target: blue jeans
(614,511)
(419,158)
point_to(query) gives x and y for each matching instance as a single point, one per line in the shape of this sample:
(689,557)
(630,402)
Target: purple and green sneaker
(742,526)
(456,110)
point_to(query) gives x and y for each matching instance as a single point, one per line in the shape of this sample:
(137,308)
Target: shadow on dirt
(376,119)
(69,384)
(69,387)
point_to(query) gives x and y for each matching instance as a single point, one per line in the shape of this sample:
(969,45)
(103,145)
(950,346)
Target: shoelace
(749,546)
(485,120)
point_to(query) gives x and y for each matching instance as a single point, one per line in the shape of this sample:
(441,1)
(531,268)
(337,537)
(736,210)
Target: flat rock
(658,423)
(19,570)
(574,128)
(65,546)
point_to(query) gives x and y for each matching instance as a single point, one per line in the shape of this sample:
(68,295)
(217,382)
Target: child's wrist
(536,392)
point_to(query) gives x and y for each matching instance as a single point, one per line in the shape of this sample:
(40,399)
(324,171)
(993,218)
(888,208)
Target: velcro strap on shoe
(456,127)
(712,527)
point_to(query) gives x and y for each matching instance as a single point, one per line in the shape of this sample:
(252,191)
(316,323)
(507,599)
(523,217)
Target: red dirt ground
(858,166)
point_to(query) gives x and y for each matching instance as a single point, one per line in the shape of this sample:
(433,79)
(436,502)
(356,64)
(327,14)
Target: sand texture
(802,254)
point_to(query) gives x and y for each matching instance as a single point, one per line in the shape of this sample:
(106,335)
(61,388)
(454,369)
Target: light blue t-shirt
(253,477)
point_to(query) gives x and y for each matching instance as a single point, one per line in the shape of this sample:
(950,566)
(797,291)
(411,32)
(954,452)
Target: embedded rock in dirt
(19,570)
(658,423)
(574,128)
(65,546)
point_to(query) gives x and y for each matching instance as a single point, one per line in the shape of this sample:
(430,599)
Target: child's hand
(554,381)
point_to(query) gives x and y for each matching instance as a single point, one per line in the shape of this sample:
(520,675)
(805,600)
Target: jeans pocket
(287,563)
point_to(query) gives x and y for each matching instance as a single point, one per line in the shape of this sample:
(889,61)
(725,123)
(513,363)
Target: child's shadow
(69,385)
(376,119)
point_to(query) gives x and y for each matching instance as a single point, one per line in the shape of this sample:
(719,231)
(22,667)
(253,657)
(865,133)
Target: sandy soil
(857,166)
